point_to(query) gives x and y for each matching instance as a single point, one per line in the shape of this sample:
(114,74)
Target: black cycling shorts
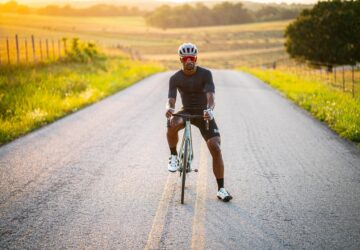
(201,124)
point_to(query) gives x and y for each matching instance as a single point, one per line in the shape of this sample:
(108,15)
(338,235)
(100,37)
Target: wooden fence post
(47,49)
(33,48)
(53,48)
(17,49)
(41,52)
(343,77)
(8,49)
(353,81)
(59,48)
(65,50)
(327,75)
(26,51)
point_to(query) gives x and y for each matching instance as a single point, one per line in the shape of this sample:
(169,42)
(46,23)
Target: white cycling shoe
(173,163)
(223,195)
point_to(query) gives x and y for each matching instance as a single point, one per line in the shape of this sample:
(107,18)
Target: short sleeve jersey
(192,88)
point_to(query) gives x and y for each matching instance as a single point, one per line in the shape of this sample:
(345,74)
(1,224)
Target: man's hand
(208,114)
(169,112)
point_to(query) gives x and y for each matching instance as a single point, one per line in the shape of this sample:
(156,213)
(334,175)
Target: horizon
(150,2)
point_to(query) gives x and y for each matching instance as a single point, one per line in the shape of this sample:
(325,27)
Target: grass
(337,78)
(217,44)
(338,109)
(34,95)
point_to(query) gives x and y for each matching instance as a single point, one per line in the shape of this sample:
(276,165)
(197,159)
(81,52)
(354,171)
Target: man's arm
(208,114)
(210,100)
(210,95)
(170,107)
(170,104)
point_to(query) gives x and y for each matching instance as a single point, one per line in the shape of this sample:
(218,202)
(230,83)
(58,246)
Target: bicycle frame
(186,151)
(187,138)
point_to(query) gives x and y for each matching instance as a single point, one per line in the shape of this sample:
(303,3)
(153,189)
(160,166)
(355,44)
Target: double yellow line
(198,231)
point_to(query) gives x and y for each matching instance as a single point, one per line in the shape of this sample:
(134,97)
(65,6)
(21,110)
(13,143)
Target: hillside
(220,46)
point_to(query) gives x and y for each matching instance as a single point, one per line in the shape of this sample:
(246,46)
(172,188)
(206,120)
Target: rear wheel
(183,170)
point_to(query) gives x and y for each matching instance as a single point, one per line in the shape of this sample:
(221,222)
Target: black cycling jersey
(192,88)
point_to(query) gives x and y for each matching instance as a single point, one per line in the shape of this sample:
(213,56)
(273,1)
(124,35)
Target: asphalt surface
(97,179)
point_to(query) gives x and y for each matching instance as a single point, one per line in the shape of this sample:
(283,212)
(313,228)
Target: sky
(259,1)
(45,2)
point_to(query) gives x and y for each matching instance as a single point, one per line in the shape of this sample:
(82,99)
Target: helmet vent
(187,49)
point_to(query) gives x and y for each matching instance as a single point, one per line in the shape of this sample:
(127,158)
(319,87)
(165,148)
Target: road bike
(186,153)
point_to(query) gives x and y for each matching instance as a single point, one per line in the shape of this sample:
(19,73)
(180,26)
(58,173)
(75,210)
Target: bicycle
(186,150)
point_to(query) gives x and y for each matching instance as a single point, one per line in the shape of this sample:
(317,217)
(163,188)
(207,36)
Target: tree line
(327,34)
(68,10)
(224,13)
(166,17)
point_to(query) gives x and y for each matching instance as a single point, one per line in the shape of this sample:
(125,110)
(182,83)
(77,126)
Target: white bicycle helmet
(187,49)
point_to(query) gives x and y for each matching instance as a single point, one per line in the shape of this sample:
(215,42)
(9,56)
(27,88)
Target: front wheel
(183,170)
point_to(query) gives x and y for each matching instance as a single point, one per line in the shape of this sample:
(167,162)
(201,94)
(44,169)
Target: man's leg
(212,138)
(213,141)
(176,124)
(215,151)
(218,167)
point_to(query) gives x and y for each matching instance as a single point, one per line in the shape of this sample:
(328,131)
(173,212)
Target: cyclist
(197,91)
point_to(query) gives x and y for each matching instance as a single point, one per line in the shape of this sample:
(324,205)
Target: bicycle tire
(184,167)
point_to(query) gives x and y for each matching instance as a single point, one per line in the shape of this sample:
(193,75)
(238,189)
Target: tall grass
(34,95)
(338,109)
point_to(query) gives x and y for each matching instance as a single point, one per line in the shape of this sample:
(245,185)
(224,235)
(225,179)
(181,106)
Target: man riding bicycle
(197,90)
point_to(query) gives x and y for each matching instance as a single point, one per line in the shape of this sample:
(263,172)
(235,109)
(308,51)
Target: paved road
(97,179)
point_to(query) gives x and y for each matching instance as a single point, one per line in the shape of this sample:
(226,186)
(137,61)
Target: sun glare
(174,1)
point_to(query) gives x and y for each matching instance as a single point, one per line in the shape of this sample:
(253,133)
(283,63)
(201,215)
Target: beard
(189,66)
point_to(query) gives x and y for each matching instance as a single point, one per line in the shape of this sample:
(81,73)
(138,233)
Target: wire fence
(343,77)
(19,49)
(132,53)
(31,49)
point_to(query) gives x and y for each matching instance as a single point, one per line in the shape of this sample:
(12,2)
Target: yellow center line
(154,237)
(198,231)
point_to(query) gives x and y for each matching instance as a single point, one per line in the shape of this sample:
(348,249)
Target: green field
(219,46)
(34,95)
(340,78)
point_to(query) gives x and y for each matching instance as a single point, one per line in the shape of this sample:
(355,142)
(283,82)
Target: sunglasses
(185,58)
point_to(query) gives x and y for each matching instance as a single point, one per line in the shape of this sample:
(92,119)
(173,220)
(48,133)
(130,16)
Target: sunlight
(175,1)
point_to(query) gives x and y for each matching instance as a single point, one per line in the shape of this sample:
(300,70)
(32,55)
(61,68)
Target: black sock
(220,183)
(173,151)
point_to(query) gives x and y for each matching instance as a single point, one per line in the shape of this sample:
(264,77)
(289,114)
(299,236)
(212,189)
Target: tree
(268,13)
(230,13)
(187,15)
(329,33)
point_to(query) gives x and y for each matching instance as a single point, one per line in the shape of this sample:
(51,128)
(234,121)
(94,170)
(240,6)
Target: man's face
(188,62)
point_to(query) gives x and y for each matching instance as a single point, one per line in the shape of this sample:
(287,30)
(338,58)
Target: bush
(81,51)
